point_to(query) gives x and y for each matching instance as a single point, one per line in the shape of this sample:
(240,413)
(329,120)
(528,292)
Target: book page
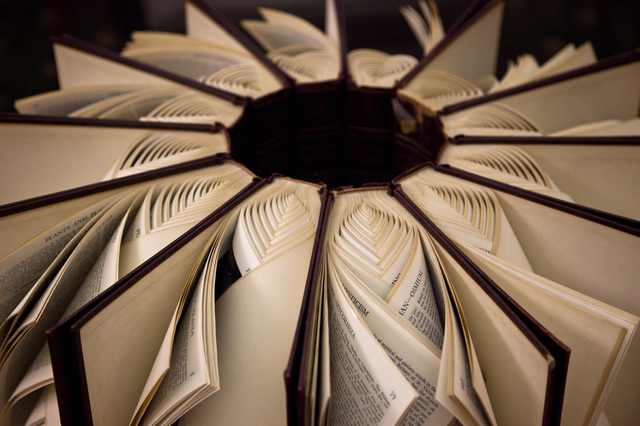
(482,39)
(359,366)
(602,95)
(41,159)
(185,370)
(202,194)
(516,373)
(455,389)
(38,414)
(373,68)
(188,372)
(156,295)
(211,64)
(597,334)
(60,103)
(200,25)
(598,254)
(386,253)
(324,362)
(255,322)
(421,296)
(80,68)
(467,212)
(51,408)
(427,27)
(598,176)
(298,48)
(414,356)
(53,302)
(33,301)
(503,163)
(102,275)
(144,328)
(21,268)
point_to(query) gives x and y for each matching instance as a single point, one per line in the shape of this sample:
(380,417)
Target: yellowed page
(481,38)
(144,327)
(412,353)
(516,373)
(254,342)
(597,334)
(600,176)
(597,261)
(200,25)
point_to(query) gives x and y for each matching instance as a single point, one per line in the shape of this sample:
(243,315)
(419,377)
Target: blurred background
(539,27)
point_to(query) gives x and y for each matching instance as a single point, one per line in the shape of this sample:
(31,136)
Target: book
(528,260)
(85,245)
(602,168)
(519,279)
(68,152)
(386,348)
(472,262)
(267,296)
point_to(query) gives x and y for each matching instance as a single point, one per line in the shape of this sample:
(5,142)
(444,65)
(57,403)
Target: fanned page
(154,97)
(503,163)
(388,310)
(189,344)
(212,64)
(373,68)
(200,24)
(27,336)
(480,35)
(570,258)
(257,313)
(43,158)
(86,273)
(188,308)
(170,104)
(426,25)
(101,276)
(468,213)
(89,258)
(435,89)
(589,100)
(301,50)
(599,174)
(171,209)
(448,77)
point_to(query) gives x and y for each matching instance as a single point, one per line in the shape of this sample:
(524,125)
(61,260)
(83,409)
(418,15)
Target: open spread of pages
(391,318)
(79,258)
(598,333)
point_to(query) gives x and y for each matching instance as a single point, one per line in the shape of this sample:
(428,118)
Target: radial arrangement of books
(254,225)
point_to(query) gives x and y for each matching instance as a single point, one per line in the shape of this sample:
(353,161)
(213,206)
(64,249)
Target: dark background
(539,27)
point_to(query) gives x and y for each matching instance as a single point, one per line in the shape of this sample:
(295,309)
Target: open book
(84,247)
(44,155)
(597,172)
(407,330)
(249,262)
(496,229)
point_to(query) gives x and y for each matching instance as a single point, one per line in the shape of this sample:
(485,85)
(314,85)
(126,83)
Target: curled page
(502,163)
(170,209)
(270,227)
(378,69)
(154,150)
(405,323)
(427,27)
(469,213)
